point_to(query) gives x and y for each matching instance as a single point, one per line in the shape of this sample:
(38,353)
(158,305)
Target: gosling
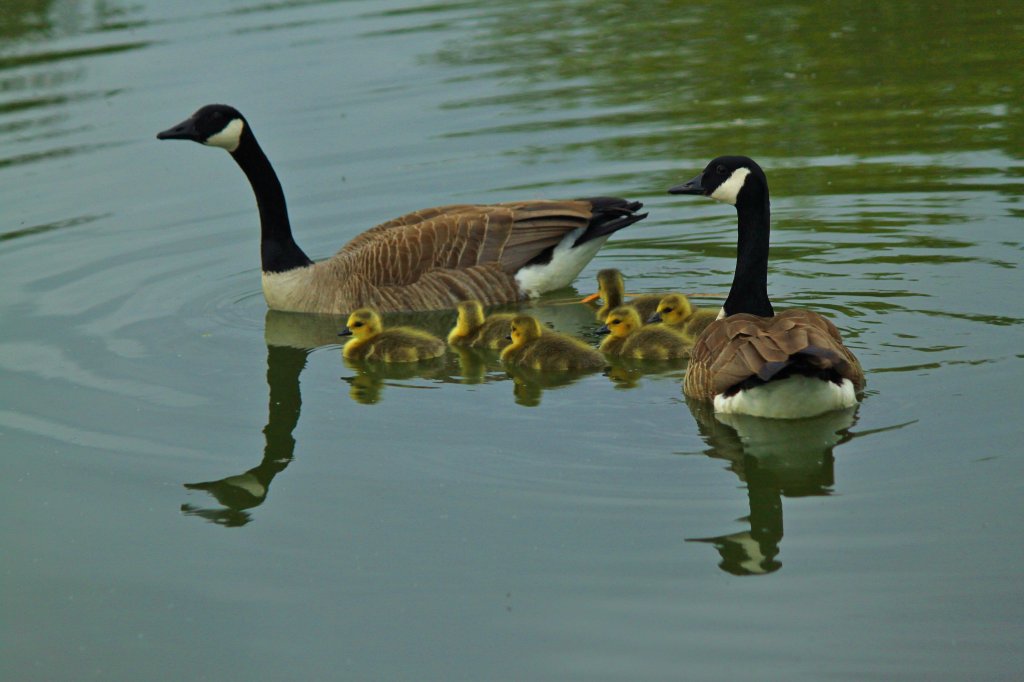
(629,338)
(611,288)
(676,311)
(472,330)
(374,343)
(534,348)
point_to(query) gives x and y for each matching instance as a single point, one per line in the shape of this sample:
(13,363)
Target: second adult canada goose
(534,348)
(628,337)
(750,360)
(473,330)
(426,260)
(676,311)
(399,344)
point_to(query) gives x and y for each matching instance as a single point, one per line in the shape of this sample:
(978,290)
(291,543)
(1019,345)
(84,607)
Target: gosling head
(363,324)
(623,321)
(525,328)
(730,179)
(216,125)
(672,310)
(471,314)
(610,286)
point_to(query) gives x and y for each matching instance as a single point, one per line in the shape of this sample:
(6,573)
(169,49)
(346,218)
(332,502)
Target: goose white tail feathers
(425,260)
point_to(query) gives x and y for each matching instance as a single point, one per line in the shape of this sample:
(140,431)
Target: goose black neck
(749,292)
(278,250)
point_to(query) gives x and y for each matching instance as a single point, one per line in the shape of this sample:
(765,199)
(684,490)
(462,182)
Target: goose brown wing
(436,257)
(742,346)
(462,235)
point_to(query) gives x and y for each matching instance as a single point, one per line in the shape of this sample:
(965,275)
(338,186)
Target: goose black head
(217,125)
(729,179)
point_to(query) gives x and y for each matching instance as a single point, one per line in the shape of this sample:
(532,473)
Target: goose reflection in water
(244,491)
(290,337)
(776,458)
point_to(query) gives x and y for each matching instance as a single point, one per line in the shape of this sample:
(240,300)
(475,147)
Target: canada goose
(750,360)
(401,344)
(473,330)
(534,348)
(676,311)
(628,337)
(611,289)
(427,260)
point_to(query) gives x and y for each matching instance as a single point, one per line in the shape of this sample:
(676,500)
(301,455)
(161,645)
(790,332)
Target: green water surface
(196,488)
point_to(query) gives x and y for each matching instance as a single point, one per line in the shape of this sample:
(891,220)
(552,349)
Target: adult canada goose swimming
(611,289)
(676,311)
(427,260)
(628,337)
(750,360)
(534,348)
(399,344)
(473,330)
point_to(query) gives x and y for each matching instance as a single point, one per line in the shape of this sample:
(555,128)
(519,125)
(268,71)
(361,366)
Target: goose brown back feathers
(745,349)
(434,258)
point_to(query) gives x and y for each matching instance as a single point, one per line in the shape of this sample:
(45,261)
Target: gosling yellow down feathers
(473,330)
(371,342)
(534,348)
(676,311)
(629,338)
(612,289)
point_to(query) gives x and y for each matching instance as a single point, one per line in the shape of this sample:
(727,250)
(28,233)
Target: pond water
(195,488)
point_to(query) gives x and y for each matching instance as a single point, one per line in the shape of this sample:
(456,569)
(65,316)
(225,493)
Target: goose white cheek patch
(729,190)
(229,137)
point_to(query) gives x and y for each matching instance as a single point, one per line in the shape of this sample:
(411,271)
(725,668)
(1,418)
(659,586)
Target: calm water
(196,489)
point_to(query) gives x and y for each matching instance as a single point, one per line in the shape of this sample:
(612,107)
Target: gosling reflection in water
(776,458)
(371,377)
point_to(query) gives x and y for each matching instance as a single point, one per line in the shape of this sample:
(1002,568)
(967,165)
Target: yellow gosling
(676,311)
(473,330)
(374,343)
(611,288)
(534,348)
(629,338)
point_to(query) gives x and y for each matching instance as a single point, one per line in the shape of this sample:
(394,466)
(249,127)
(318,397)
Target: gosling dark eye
(616,321)
(358,324)
(720,169)
(667,310)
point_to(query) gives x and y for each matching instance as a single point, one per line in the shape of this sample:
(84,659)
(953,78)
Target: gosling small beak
(694,186)
(656,317)
(603,329)
(345,332)
(186,130)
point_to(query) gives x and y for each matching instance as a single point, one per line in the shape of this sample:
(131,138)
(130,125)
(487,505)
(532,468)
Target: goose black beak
(655,318)
(186,130)
(694,186)
(603,329)
(345,332)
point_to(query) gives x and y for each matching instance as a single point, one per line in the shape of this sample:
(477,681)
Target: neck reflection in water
(290,338)
(247,490)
